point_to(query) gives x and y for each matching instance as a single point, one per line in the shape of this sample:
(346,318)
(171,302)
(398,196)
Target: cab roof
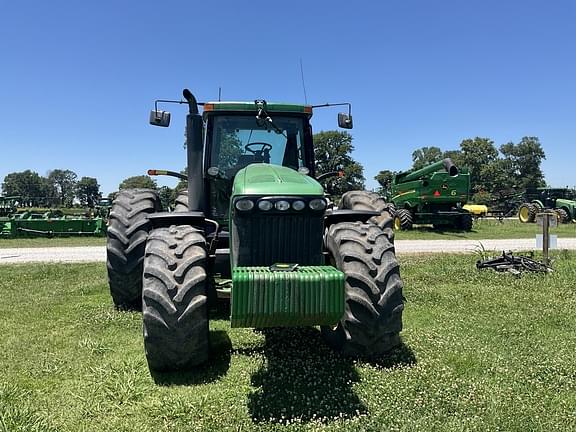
(271,107)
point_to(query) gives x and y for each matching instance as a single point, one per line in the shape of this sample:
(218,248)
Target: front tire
(128,228)
(372,318)
(181,204)
(174,300)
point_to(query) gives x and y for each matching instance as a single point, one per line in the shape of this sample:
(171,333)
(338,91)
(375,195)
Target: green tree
(142,181)
(425,156)
(167,197)
(182,184)
(230,150)
(88,191)
(455,156)
(29,185)
(333,152)
(384,178)
(478,155)
(524,160)
(64,182)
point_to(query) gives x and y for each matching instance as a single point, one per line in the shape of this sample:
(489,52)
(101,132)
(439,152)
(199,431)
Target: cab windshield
(238,141)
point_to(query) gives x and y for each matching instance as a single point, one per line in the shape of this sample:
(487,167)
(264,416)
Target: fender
(337,216)
(166,219)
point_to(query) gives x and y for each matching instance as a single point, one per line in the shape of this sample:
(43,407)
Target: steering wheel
(264,148)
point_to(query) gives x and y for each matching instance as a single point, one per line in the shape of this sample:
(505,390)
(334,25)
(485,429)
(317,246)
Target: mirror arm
(336,104)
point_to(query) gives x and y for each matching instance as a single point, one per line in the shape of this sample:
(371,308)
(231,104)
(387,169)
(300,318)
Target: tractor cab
(239,134)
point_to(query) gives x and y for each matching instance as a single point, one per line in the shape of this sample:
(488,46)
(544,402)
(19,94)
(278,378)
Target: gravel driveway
(403,247)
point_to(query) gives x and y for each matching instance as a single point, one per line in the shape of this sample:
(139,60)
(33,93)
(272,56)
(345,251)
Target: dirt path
(403,247)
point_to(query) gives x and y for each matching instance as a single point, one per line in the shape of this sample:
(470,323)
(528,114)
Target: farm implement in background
(561,200)
(52,223)
(432,195)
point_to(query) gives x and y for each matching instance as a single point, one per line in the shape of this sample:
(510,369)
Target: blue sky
(77,79)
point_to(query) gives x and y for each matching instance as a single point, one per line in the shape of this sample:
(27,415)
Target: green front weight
(307,296)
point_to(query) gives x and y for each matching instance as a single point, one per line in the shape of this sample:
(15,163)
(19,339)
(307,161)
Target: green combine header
(52,223)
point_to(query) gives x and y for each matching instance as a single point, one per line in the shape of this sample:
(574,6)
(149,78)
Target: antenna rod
(219,94)
(303,85)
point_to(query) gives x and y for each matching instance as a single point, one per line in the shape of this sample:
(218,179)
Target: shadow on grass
(303,380)
(401,356)
(216,367)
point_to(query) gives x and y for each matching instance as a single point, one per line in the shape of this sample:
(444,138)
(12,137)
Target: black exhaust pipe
(195,153)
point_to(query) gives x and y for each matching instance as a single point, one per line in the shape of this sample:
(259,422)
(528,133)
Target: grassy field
(486,229)
(482,351)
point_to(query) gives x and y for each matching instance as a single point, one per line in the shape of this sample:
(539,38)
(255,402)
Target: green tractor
(562,201)
(253,227)
(433,195)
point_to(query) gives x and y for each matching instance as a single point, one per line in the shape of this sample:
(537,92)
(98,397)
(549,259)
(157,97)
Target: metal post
(545,237)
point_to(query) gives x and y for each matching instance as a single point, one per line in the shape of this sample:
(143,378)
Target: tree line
(60,187)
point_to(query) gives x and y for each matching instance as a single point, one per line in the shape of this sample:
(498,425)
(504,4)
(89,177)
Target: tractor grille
(263,240)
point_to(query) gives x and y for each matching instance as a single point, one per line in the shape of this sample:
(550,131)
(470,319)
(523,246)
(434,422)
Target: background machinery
(433,195)
(562,201)
(253,227)
(50,223)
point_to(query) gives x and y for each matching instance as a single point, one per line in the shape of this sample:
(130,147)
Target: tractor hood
(266,179)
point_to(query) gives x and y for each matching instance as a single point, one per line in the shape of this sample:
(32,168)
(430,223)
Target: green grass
(482,351)
(51,242)
(486,229)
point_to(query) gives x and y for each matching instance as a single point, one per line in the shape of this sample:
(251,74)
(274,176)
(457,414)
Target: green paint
(266,179)
(432,195)
(304,297)
(251,107)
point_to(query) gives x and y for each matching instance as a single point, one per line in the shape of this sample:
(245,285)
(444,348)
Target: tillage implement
(254,227)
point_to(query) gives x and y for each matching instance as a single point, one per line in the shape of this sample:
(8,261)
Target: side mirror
(160,118)
(345,121)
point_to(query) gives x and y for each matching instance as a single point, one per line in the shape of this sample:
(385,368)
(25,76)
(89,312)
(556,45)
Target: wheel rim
(397,223)
(524,214)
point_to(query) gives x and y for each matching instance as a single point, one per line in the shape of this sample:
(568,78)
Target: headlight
(318,204)
(244,205)
(282,205)
(298,205)
(264,205)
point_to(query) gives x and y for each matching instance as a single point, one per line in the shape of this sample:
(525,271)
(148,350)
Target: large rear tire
(174,301)
(527,213)
(364,200)
(374,303)
(128,228)
(181,204)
